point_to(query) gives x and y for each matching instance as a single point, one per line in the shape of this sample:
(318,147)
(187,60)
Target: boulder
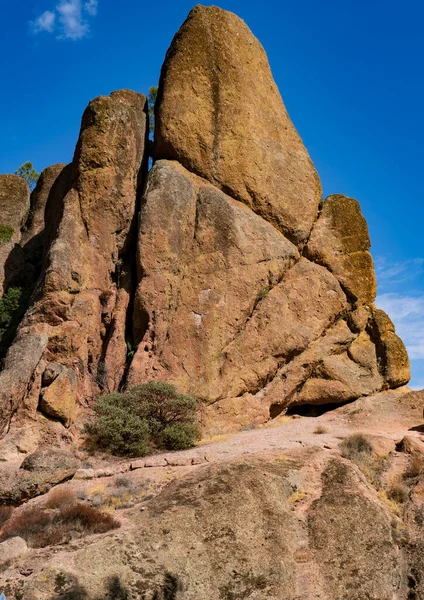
(12,548)
(394,361)
(340,241)
(14,207)
(48,460)
(38,473)
(19,366)
(220,114)
(58,400)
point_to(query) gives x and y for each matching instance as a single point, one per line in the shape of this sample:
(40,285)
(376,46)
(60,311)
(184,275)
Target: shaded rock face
(220,114)
(14,207)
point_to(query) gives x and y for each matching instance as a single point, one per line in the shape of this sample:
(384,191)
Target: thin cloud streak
(393,273)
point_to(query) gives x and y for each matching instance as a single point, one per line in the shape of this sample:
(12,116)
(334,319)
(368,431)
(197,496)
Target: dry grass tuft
(415,467)
(59,498)
(320,429)
(355,445)
(42,527)
(398,492)
(359,450)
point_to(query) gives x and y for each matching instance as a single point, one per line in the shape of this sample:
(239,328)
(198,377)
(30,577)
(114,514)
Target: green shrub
(6,234)
(179,436)
(143,418)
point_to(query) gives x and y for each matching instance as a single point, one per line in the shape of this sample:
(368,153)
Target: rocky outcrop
(227,276)
(91,214)
(220,114)
(204,261)
(39,472)
(14,207)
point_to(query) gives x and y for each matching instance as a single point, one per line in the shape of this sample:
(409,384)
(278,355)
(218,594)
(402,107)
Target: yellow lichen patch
(297,496)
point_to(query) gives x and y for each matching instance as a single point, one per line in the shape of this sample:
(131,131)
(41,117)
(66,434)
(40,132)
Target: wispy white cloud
(407,313)
(68,20)
(91,7)
(391,273)
(45,22)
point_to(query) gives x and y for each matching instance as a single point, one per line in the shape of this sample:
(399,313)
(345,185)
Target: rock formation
(80,304)
(228,276)
(14,207)
(223,271)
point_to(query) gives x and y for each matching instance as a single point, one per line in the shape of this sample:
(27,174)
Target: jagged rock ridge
(235,281)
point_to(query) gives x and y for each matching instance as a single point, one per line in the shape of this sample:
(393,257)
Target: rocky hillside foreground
(271,513)
(223,271)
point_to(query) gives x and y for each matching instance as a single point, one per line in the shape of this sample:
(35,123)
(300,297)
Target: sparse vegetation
(6,234)
(398,492)
(60,497)
(153,92)
(42,527)
(27,172)
(415,467)
(359,450)
(356,445)
(320,430)
(145,418)
(120,493)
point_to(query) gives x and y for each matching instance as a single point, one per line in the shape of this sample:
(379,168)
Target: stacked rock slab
(82,297)
(252,294)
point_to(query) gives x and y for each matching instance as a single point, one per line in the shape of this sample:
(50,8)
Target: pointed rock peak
(220,114)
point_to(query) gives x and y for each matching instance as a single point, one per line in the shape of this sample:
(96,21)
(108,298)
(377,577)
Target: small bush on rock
(6,234)
(144,418)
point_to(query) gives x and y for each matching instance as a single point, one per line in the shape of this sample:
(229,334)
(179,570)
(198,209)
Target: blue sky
(350,73)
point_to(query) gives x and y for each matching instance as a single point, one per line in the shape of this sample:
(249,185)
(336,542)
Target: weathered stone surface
(38,473)
(205,262)
(90,238)
(34,226)
(20,363)
(58,400)
(394,359)
(12,548)
(288,319)
(49,459)
(220,114)
(14,207)
(340,241)
(51,372)
(351,538)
